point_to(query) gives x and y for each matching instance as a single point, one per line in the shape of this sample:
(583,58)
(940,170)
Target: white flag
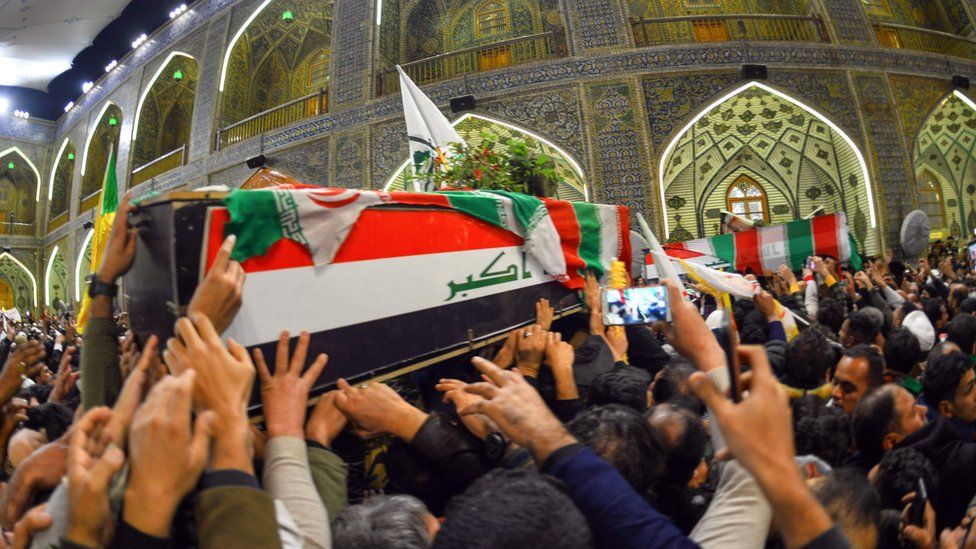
(428,130)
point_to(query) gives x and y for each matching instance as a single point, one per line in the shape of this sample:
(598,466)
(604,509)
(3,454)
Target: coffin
(410,285)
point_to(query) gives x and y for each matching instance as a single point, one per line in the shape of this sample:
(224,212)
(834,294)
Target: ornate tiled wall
(350,165)
(915,97)
(598,25)
(888,158)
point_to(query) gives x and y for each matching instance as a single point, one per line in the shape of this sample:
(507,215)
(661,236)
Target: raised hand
(285,393)
(166,454)
(477,424)
(41,471)
(120,251)
(326,421)
(35,520)
(377,409)
(690,335)
(23,362)
(219,295)
(518,410)
(66,377)
(505,357)
(90,472)
(560,356)
(544,314)
(134,388)
(530,349)
(924,537)
(616,338)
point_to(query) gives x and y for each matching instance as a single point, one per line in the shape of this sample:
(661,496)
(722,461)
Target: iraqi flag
(564,238)
(768,248)
(428,130)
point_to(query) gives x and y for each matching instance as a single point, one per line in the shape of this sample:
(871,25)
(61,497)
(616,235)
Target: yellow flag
(103,226)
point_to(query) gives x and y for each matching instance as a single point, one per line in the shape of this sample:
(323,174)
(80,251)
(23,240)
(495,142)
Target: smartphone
(917,513)
(731,356)
(809,264)
(644,305)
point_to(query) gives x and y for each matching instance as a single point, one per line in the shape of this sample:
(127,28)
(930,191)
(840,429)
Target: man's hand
(766,304)
(616,338)
(89,476)
(530,349)
(690,335)
(120,251)
(544,314)
(219,295)
(66,378)
(787,276)
(35,520)
(759,434)
(14,413)
(225,376)
(560,356)
(477,424)
(518,410)
(166,456)
(863,280)
(377,409)
(505,357)
(42,470)
(326,421)
(820,266)
(924,537)
(592,298)
(24,361)
(285,393)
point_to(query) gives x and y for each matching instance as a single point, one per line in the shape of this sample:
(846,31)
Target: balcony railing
(692,29)
(159,166)
(506,53)
(282,115)
(915,38)
(11,228)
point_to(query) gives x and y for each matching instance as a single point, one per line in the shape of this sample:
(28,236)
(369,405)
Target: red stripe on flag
(564,218)
(747,252)
(824,229)
(623,214)
(379,234)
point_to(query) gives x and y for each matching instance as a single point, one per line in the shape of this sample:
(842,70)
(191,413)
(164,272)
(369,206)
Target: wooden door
(710,31)
(889,38)
(495,58)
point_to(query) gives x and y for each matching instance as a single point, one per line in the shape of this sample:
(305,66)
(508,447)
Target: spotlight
(257,162)
(462,103)
(22,114)
(112,65)
(69,106)
(140,41)
(87,86)
(180,10)
(960,81)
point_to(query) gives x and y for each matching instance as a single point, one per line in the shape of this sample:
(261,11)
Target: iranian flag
(767,248)
(563,238)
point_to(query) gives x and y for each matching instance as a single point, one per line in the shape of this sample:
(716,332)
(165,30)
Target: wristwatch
(495,446)
(97,287)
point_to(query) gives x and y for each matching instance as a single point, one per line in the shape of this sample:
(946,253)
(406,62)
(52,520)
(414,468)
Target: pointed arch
(91,134)
(54,168)
(571,164)
(669,149)
(149,86)
(233,42)
(47,275)
(81,256)
(37,174)
(30,275)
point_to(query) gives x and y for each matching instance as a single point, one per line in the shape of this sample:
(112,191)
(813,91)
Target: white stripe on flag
(610,245)
(843,231)
(702,246)
(772,247)
(293,299)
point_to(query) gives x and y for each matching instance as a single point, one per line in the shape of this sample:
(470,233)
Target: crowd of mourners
(856,431)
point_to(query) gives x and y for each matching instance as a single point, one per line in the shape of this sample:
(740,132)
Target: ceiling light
(112,65)
(140,41)
(22,114)
(178,75)
(71,156)
(69,106)
(180,10)
(87,86)
(11,165)
(288,16)
(113,121)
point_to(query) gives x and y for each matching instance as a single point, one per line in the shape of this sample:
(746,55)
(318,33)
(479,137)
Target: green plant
(507,165)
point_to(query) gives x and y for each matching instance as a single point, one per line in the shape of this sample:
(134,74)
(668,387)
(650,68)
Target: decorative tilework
(916,97)
(598,24)
(617,151)
(353,45)
(309,162)
(349,164)
(847,18)
(889,159)
(390,150)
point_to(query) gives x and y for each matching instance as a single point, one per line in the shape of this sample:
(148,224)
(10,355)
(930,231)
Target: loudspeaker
(463,103)
(87,225)
(960,81)
(753,72)
(257,162)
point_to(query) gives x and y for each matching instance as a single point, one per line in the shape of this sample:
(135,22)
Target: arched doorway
(104,138)
(6,295)
(571,186)
(945,168)
(59,188)
(21,281)
(163,118)
(83,266)
(56,280)
(800,159)
(20,186)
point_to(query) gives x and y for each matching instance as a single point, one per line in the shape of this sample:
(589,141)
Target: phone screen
(643,305)
(918,504)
